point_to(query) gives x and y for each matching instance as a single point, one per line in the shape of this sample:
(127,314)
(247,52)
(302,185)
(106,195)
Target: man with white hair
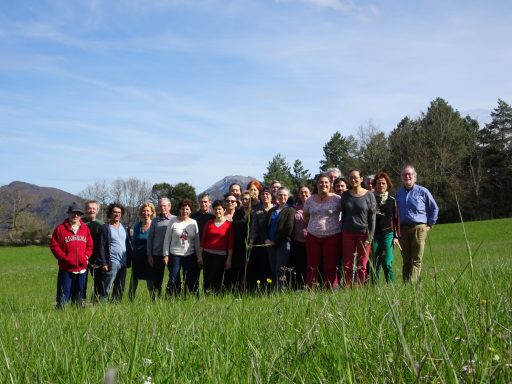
(334,173)
(156,236)
(418,213)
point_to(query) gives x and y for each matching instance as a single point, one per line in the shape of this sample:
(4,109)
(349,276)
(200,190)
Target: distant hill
(217,190)
(47,203)
(50,204)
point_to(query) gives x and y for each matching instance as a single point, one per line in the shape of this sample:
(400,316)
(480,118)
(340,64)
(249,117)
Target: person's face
(304,193)
(146,213)
(381,185)
(92,210)
(282,197)
(235,190)
(246,199)
(116,215)
(340,187)
(185,211)
(254,191)
(74,217)
(219,211)
(274,188)
(355,179)
(230,202)
(332,176)
(204,204)
(408,177)
(369,184)
(323,184)
(164,208)
(266,197)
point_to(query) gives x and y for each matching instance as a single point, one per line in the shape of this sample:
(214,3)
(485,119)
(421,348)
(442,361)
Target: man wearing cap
(72,244)
(418,213)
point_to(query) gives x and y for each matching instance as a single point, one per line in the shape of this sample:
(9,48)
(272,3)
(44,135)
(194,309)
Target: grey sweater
(156,235)
(359,213)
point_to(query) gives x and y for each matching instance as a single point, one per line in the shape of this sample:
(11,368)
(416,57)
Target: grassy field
(453,327)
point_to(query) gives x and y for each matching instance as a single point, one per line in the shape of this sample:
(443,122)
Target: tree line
(464,165)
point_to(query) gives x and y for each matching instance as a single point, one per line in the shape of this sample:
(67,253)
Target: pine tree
(339,152)
(300,175)
(496,152)
(278,169)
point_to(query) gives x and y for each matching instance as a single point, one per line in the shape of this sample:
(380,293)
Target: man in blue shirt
(418,213)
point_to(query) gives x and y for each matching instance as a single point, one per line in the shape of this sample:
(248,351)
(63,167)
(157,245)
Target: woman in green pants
(387,229)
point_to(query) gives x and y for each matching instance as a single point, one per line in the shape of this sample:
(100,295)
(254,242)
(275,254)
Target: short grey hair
(203,195)
(409,166)
(164,200)
(334,170)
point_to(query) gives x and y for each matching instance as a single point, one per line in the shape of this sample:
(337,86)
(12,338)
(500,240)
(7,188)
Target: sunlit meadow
(453,327)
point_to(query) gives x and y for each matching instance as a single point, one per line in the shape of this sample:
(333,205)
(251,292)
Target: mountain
(42,208)
(217,190)
(48,204)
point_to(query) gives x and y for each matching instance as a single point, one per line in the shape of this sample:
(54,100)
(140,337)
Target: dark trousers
(258,268)
(213,272)
(190,274)
(70,287)
(298,264)
(157,273)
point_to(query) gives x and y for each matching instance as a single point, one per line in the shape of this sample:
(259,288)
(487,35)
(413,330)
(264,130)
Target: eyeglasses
(230,201)
(408,174)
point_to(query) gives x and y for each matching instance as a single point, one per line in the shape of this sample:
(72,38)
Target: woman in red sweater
(216,251)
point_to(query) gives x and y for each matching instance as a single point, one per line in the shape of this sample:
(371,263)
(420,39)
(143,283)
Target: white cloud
(347,7)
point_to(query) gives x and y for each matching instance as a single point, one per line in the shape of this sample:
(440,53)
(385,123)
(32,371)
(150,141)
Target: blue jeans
(113,281)
(190,274)
(278,256)
(70,286)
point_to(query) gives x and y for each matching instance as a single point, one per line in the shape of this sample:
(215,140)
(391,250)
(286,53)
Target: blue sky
(194,90)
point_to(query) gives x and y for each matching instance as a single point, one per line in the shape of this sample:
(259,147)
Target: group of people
(341,233)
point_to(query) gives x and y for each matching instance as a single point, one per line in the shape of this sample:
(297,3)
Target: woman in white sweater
(181,244)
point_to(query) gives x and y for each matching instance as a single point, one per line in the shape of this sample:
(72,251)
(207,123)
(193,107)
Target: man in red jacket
(72,246)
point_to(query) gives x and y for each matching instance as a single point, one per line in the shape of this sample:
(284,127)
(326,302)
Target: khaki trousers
(412,240)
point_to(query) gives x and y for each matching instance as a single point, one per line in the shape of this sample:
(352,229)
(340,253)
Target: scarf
(382,197)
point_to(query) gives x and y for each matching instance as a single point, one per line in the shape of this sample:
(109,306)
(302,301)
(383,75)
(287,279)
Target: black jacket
(285,222)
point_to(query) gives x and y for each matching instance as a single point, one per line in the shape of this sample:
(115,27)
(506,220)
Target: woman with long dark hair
(358,207)
(322,213)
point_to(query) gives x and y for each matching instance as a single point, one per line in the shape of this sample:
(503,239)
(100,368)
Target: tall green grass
(450,328)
